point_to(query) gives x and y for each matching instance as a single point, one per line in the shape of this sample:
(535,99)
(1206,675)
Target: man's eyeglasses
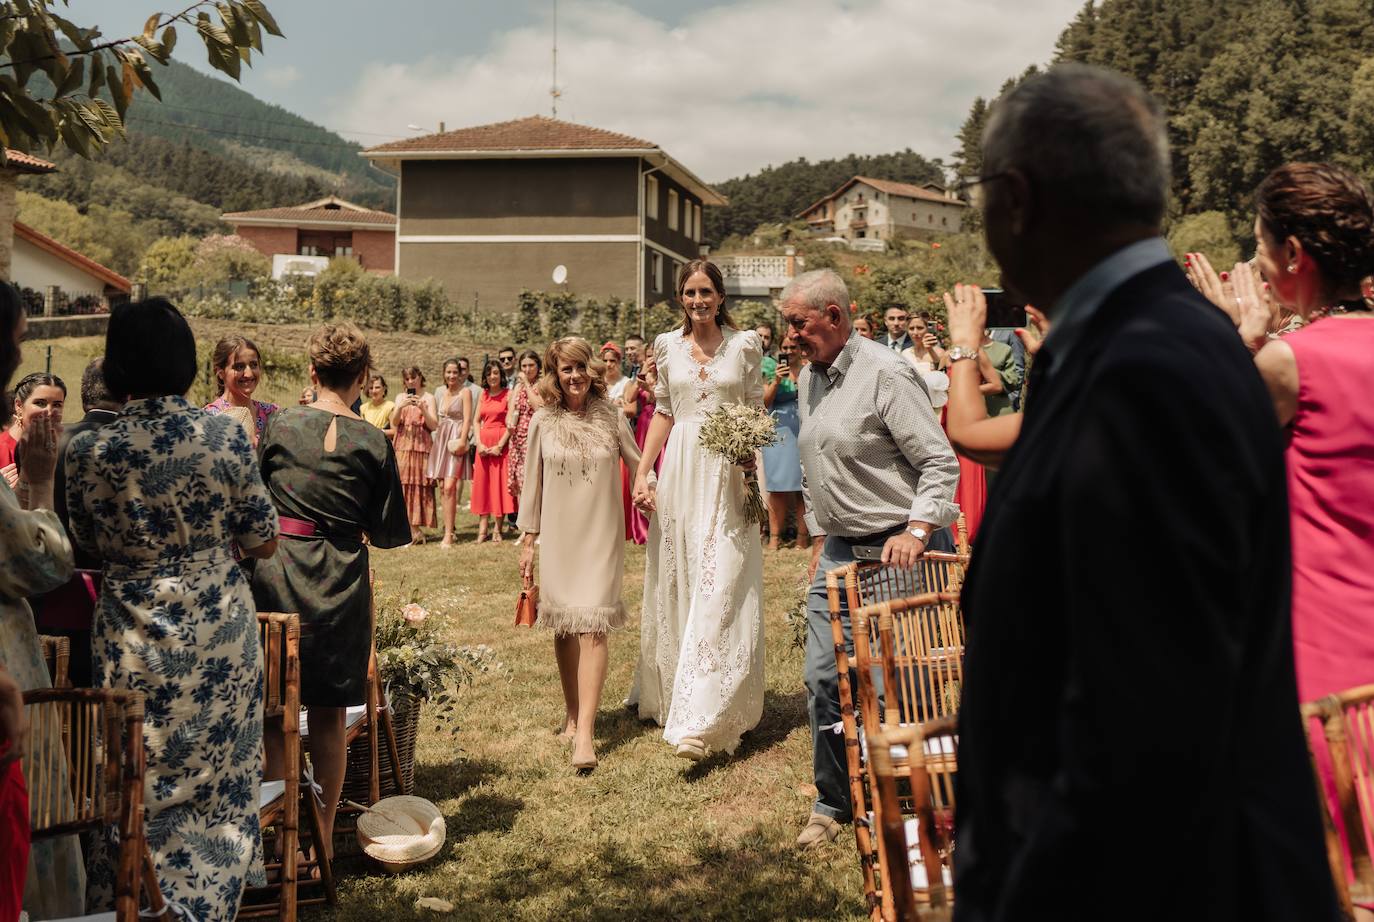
(980,180)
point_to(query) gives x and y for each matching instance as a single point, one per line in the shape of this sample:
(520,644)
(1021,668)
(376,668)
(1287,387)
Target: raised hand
(968,315)
(39,446)
(11,475)
(1033,337)
(1215,288)
(1254,311)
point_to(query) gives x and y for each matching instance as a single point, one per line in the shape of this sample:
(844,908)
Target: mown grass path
(647,835)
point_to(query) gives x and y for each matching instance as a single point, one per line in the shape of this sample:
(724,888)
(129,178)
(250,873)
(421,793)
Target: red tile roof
(534,133)
(67,254)
(27,163)
(330,210)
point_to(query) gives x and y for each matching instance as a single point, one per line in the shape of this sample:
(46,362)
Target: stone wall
(55,327)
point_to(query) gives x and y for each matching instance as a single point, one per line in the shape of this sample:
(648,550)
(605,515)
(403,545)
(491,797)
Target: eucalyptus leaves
(737,432)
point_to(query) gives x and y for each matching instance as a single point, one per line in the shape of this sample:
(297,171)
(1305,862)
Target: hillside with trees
(776,194)
(1247,85)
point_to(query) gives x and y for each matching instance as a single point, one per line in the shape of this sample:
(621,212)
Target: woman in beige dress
(572,504)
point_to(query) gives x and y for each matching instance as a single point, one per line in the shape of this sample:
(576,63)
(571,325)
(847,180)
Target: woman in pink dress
(237,366)
(448,460)
(414,419)
(490,497)
(1315,234)
(638,403)
(524,401)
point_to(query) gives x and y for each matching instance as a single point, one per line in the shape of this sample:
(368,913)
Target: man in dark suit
(1130,744)
(895,318)
(67,610)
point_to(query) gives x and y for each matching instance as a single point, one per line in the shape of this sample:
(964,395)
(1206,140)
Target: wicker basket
(405,720)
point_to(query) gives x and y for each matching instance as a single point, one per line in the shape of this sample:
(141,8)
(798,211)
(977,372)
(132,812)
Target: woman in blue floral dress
(158,495)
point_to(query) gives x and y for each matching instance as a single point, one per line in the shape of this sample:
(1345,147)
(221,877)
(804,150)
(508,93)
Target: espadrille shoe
(820,830)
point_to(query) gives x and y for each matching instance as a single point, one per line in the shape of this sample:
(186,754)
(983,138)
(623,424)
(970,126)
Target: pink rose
(413,613)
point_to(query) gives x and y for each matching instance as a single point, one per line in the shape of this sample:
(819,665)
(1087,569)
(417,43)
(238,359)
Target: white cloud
(733,87)
(282,77)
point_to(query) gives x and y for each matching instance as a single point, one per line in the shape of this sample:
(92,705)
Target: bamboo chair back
(922,642)
(1347,721)
(849,588)
(57,653)
(281,663)
(98,783)
(910,842)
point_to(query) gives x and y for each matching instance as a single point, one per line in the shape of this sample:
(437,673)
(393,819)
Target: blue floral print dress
(159,495)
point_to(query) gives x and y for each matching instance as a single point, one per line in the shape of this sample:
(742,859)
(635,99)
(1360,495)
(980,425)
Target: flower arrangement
(413,661)
(736,432)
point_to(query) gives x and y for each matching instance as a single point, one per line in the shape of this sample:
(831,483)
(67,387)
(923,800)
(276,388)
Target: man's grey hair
(94,390)
(816,289)
(1090,140)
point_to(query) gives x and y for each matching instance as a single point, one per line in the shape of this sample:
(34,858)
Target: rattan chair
(915,844)
(915,646)
(279,806)
(848,589)
(57,653)
(104,770)
(1347,721)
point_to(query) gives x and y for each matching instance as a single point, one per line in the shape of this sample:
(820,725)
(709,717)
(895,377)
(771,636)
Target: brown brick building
(327,227)
(493,209)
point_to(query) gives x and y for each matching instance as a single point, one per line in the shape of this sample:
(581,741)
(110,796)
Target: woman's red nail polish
(1225,276)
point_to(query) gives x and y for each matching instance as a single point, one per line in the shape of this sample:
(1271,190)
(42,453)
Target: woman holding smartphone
(782,460)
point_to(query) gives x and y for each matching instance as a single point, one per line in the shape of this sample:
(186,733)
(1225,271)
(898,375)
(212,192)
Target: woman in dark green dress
(333,478)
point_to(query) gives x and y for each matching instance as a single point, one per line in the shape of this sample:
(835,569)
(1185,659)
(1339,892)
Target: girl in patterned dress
(414,419)
(523,402)
(159,495)
(238,369)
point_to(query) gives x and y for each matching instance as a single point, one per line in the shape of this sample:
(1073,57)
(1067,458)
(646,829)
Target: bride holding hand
(700,672)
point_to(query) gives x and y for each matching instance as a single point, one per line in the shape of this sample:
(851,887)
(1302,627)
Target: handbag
(453,446)
(527,607)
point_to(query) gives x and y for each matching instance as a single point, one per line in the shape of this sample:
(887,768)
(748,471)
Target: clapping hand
(1215,288)
(1033,337)
(11,474)
(39,446)
(968,315)
(1255,316)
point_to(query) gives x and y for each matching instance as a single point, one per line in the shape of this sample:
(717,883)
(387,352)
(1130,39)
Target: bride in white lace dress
(700,672)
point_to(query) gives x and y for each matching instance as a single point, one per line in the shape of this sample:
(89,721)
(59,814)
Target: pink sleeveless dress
(1331,503)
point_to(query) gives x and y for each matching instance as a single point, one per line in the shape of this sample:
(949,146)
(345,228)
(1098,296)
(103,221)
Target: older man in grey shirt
(878,472)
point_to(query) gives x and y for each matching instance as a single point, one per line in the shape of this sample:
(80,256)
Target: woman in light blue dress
(158,495)
(782,473)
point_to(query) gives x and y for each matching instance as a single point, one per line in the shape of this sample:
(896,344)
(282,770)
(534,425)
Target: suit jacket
(885,339)
(93,419)
(1130,745)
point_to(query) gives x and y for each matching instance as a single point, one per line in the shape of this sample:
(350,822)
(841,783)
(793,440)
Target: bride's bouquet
(736,432)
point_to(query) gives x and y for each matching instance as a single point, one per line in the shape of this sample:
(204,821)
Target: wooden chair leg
(320,844)
(157,907)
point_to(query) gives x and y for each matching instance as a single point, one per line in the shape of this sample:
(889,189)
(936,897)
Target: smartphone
(867,554)
(410,391)
(1004,310)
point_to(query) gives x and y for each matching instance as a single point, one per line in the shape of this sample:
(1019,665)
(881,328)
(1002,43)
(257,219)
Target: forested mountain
(1247,84)
(776,194)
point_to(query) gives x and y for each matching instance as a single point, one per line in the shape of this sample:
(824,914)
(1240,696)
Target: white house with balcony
(758,278)
(883,210)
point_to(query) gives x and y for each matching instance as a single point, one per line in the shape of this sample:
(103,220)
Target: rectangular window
(656,270)
(687,219)
(672,209)
(672,279)
(696,223)
(651,197)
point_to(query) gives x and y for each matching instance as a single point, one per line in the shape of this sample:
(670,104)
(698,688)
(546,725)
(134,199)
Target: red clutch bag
(527,607)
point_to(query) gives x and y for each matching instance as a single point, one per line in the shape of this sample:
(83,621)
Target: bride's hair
(569,349)
(712,271)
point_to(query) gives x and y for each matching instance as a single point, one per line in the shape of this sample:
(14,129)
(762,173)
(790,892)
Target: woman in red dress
(490,497)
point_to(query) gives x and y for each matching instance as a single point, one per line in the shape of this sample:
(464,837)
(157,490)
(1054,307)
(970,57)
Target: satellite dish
(560,274)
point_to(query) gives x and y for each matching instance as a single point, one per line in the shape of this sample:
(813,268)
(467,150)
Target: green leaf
(76,74)
(76,136)
(259,11)
(97,75)
(119,91)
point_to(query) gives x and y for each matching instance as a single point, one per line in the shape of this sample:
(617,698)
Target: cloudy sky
(726,87)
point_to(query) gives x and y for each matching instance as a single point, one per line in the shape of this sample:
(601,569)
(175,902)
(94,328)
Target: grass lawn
(645,836)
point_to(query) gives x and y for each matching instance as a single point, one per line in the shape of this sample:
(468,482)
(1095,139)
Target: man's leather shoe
(820,829)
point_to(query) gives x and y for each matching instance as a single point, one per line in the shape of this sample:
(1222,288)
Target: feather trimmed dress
(571,498)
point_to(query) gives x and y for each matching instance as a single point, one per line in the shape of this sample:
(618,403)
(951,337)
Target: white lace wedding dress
(700,672)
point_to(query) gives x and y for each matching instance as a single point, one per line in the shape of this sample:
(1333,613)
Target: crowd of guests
(1177,548)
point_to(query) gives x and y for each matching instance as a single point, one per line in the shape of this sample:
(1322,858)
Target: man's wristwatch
(958,353)
(920,534)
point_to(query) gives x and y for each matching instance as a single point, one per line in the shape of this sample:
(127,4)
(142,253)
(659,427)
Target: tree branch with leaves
(85,70)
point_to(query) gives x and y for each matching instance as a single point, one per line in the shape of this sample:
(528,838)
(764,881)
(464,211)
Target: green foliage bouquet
(413,661)
(736,432)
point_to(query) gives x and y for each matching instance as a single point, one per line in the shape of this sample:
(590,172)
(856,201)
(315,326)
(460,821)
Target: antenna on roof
(554,92)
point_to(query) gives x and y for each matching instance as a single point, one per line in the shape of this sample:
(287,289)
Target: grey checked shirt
(873,454)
